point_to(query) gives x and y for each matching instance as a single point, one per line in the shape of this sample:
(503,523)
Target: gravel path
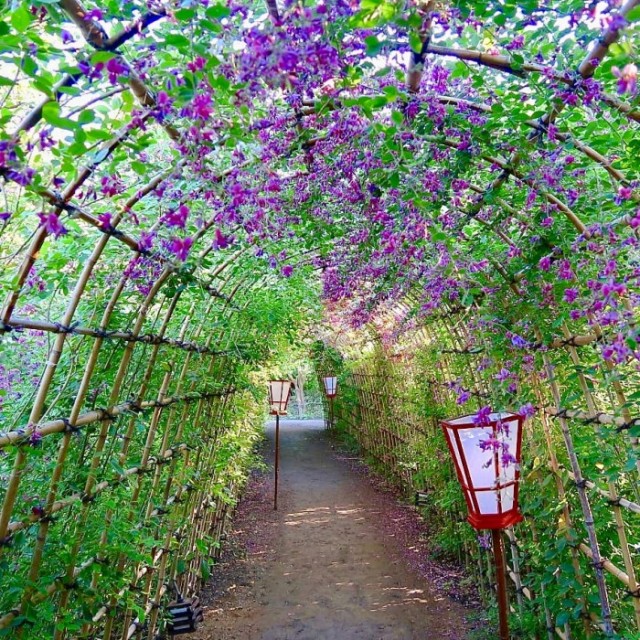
(330,564)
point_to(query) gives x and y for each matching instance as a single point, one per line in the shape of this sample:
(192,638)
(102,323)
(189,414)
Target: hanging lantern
(279,393)
(330,386)
(486,450)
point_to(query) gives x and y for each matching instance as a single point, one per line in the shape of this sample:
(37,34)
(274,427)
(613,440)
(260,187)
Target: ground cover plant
(188,186)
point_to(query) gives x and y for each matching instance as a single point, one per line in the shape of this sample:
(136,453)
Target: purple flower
(287,270)
(627,78)
(4,216)
(145,242)
(463,396)
(105,220)
(67,38)
(546,222)
(93,14)
(115,69)
(111,185)
(519,342)
(51,223)
(545,263)
(506,458)
(490,444)
(516,43)
(180,247)
(92,72)
(484,541)
(23,178)
(624,193)
(177,218)
(483,417)
(221,241)
(570,295)
(197,65)
(163,105)
(564,270)
(617,22)
(202,106)
(527,410)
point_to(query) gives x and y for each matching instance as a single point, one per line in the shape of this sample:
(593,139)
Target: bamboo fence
(381,405)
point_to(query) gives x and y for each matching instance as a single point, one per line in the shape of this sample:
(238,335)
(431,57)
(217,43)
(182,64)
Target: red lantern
(330,386)
(279,394)
(486,450)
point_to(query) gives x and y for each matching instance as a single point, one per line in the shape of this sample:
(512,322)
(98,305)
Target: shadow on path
(321,567)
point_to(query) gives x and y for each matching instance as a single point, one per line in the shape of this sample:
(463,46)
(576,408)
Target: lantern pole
(466,437)
(501,583)
(277,463)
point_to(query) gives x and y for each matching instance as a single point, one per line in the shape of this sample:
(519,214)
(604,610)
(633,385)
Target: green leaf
(177,40)
(634,14)
(210,26)
(51,114)
(391,92)
(205,570)
(185,15)
(217,11)
(374,46)
(21,18)
(29,66)
(86,116)
(460,70)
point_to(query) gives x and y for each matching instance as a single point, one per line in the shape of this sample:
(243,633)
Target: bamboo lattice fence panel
(580,490)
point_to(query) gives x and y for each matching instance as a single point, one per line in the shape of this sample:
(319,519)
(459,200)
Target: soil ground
(335,562)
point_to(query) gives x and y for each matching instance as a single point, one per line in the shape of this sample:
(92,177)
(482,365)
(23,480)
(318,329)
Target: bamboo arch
(152,442)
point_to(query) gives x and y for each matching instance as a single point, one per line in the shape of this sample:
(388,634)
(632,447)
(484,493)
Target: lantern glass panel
(506,495)
(330,385)
(486,459)
(279,391)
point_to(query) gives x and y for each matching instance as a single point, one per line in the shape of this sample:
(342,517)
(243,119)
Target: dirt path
(325,566)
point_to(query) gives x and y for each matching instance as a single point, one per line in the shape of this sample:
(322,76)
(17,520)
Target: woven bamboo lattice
(382,406)
(177,179)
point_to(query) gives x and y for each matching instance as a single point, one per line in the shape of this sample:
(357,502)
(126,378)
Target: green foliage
(377,397)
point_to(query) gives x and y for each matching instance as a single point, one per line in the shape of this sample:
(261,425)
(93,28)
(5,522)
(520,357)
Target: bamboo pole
(630,577)
(584,503)
(108,627)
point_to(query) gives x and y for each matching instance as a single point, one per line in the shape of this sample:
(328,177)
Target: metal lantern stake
(486,451)
(279,394)
(330,390)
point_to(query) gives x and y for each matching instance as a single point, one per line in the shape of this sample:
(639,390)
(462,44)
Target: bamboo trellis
(149,438)
(379,407)
(175,492)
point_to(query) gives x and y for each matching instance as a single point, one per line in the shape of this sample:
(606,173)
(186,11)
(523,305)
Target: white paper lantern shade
(487,461)
(330,386)
(279,394)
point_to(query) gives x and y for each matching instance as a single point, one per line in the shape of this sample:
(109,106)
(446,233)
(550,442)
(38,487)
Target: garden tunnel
(442,198)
